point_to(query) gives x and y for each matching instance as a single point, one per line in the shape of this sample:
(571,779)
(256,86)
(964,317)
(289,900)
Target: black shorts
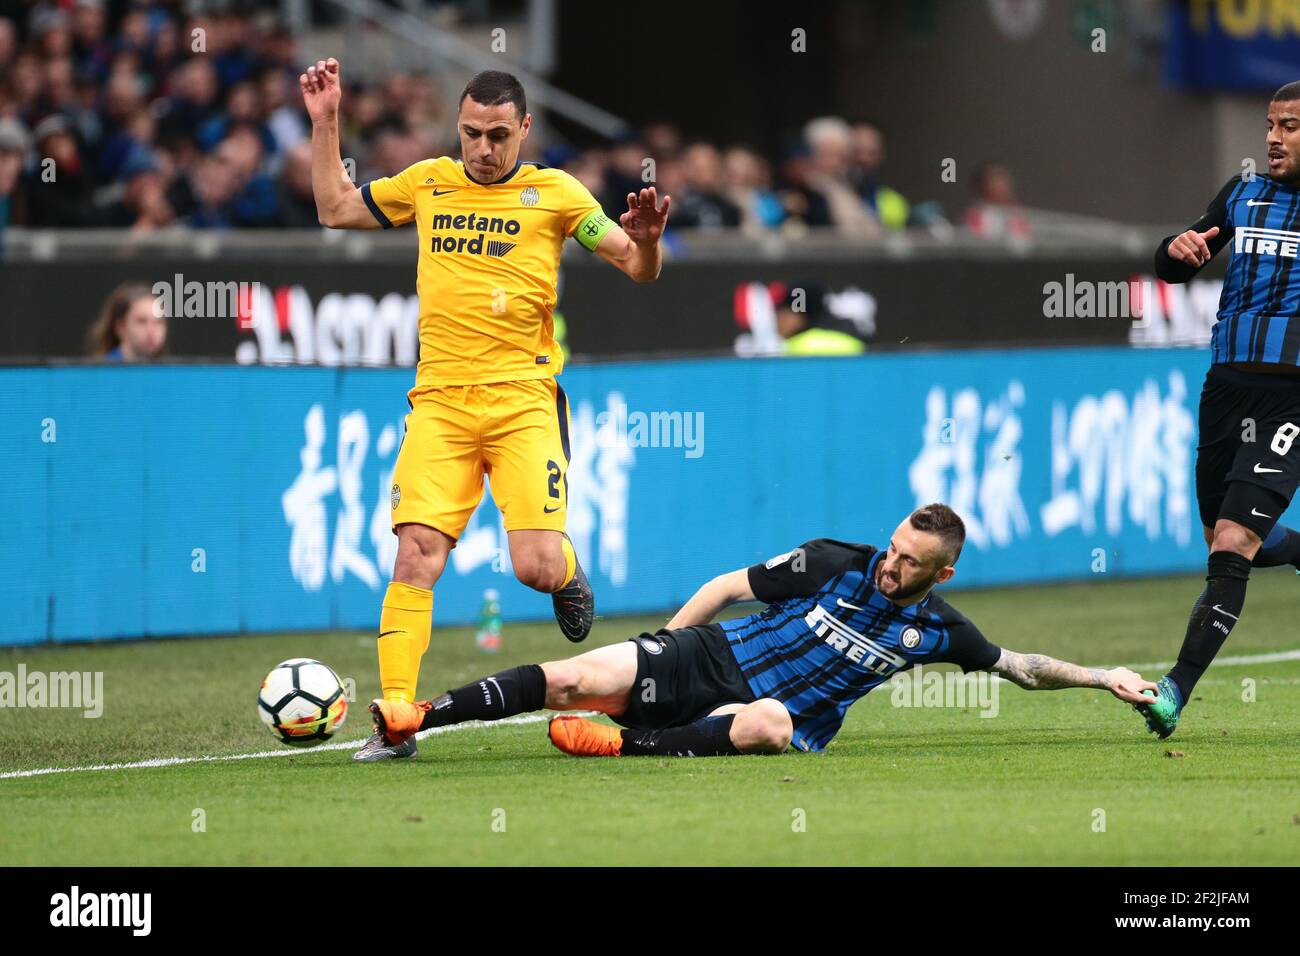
(1247,473)
(682,675)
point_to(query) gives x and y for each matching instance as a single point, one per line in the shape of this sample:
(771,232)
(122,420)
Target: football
(303,702)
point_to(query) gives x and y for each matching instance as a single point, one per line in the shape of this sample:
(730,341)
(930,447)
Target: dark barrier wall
(346,312)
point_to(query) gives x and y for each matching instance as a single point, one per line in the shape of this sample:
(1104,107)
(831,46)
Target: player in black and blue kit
(1246,473)
(840,620)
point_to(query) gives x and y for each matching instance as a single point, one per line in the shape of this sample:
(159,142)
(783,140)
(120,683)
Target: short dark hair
(492,88)
(938,519)
(1287,93)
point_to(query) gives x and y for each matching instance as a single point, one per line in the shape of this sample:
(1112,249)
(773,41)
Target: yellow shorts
(515,433)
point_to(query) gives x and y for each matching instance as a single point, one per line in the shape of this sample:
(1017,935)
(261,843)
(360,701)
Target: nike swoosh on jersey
(1260,469)
(444,192)
(1259,514)
(1257,202)
(852,607)
(500,696)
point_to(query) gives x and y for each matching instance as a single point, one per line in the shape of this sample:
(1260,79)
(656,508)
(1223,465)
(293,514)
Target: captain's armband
(592,229)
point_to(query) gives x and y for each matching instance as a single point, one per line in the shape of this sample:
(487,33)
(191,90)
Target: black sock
(1281,547)
(707,737)
(504,694)
(1212,618)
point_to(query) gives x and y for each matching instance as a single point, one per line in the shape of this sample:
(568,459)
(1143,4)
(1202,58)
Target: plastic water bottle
(489,623)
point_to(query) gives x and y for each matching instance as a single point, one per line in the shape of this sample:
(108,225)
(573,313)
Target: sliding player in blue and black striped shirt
(840,620)
(1250,403)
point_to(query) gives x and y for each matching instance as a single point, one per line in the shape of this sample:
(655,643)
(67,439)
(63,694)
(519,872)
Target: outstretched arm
(1040,672)
(634,249)
(338,202)
(1180,257)
(722,592)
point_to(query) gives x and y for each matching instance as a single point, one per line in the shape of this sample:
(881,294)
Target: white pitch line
(1241,660)
(1237,661)
(286,752)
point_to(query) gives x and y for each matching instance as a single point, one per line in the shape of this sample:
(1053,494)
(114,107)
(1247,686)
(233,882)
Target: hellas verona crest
(529,196)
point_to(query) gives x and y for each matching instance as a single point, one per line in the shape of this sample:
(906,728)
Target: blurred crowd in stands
(134,114)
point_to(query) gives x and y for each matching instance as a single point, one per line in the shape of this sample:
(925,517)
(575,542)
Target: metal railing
(1100,239)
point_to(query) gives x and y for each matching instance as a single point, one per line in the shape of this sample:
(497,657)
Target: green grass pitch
(898,786)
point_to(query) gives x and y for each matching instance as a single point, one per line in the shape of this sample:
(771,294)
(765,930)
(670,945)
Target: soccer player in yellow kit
(485,400)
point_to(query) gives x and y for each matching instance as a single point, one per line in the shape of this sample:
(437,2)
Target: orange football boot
(585,738)
(397,720)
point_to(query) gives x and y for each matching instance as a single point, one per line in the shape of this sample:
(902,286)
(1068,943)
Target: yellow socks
(570,560)
(404,627)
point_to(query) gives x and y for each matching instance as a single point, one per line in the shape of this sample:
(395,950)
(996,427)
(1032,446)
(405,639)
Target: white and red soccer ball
(303,702)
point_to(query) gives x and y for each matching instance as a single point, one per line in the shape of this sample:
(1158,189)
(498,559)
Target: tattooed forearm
(1040,672)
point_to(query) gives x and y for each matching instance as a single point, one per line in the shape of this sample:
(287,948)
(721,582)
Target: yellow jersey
(489,261)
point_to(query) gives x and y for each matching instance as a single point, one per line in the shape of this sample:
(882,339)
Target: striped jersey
(1257,318)
(827,636)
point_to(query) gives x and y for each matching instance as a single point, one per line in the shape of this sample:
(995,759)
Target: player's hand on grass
(1128,685)
(1192,247)
(321,90)
(644,220)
